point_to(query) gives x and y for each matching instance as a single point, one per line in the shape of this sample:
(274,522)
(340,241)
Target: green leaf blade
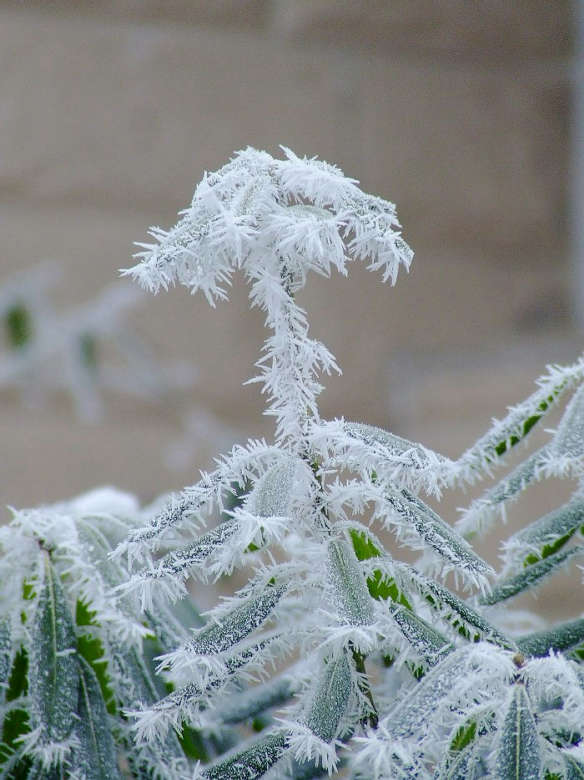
(331,697)
(252,762)
(95,754)
(53,669)
(518,754)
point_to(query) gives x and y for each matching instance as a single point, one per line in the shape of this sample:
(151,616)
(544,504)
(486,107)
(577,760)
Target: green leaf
(349,583)
(569,437)
(18,326)
(229,629)
(252,702)
(428,643)
(531,576)
(470,623)
(363,546)
(330,699)
(95,753)
(90,648)
(464,736)
(385,443)
(518,754)
(574,768)
(559,638)
(178,562)
(380,585)
(6,650)
(437,534)
(252,762)
(270,496)
(53,670)
(14,725)
(547,534)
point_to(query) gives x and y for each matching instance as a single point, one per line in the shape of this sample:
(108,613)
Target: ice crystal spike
(518,753)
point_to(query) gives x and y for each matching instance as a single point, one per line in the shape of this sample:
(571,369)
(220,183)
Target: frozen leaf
(53,670)
(439,536)
(453,609)
(229,629)
(531,576)
(519,421)
(186,703)
(568,440)
(252,702)
(427,642)
(559,638)
(518,753)
(402,458)
(463,765)
(330,699)
(546,535)
(472,676)
(574,768)
(349,584)
(6,652)
(95,753)
(270,496)
(477,516)
(178,562)
(250,763)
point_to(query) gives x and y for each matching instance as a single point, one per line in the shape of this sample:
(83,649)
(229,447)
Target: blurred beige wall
(458,112)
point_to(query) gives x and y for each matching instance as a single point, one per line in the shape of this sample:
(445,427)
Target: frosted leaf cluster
(342,656)
(399,676)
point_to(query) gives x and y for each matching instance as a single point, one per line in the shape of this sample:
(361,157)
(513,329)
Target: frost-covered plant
(393,672)
(47,349)
(346,658)
(72,658)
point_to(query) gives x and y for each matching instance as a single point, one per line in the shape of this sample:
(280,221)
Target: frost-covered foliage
(73,658)
(43,349)
(344,657)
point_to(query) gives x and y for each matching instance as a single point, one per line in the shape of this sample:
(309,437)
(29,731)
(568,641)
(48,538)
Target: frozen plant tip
(384,645)
(345,658)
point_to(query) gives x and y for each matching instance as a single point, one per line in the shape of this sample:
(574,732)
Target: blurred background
(467,116)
